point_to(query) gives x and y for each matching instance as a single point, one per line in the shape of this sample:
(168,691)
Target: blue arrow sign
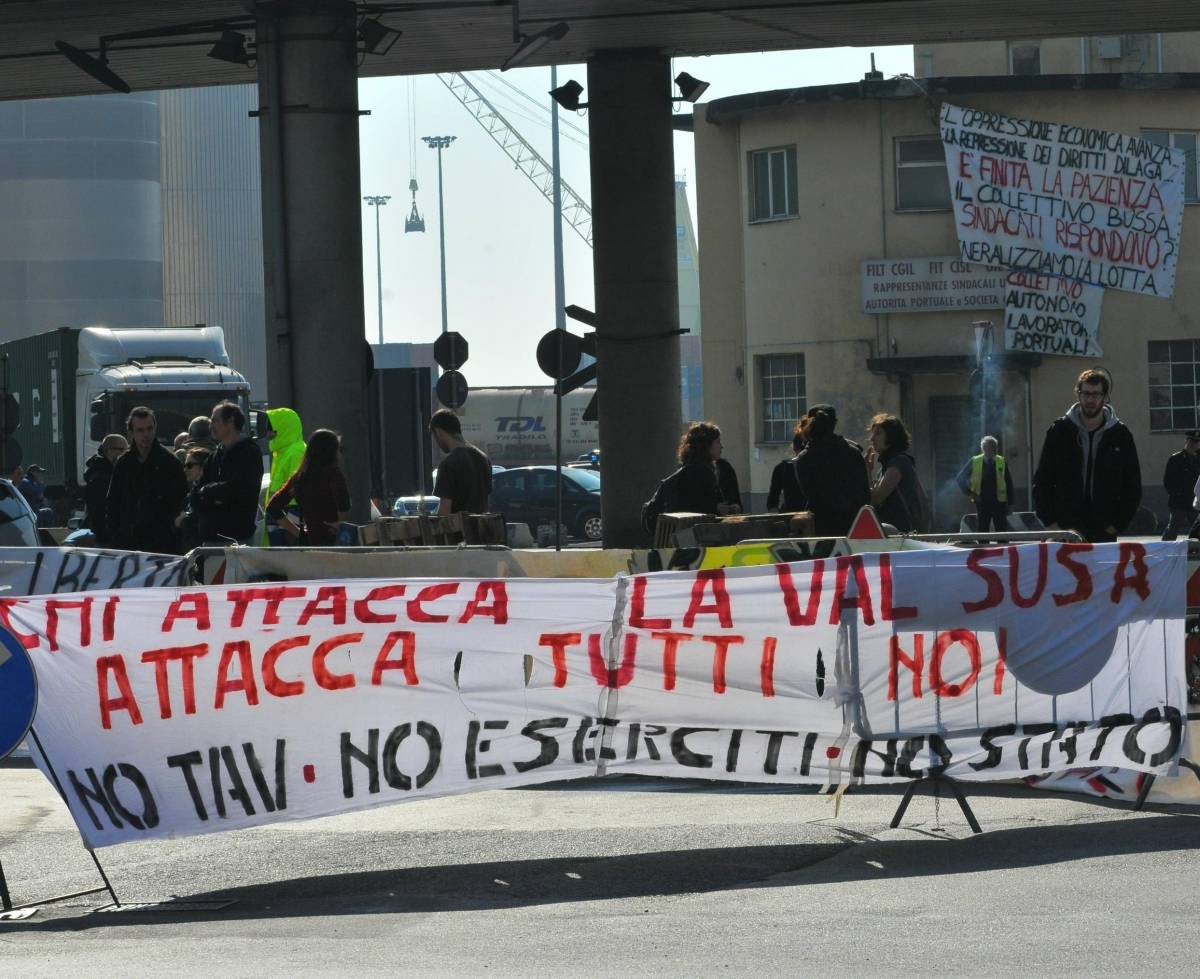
(18,693)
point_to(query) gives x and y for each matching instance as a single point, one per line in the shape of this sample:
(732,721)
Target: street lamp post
(378,201)
(440,143)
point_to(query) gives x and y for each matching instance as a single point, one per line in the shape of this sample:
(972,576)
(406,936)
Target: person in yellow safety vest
(986,480)
(287,452)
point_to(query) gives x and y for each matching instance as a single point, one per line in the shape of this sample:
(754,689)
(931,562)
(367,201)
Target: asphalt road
(620,878)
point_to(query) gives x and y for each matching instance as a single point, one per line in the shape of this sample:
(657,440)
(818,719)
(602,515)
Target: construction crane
(575,210)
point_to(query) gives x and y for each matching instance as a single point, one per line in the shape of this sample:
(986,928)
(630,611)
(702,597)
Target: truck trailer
(75,386)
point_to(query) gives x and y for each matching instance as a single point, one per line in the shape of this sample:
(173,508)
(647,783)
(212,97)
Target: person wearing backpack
(896,494)
(830,472)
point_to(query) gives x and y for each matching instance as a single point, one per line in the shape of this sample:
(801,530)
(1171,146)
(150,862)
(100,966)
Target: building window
(783,394)
(1024,57)
(921,181)
(773,184)
(1174,384)
(925,64)
(1187,143)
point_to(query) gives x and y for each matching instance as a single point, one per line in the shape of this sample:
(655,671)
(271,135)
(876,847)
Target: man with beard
(1088,477)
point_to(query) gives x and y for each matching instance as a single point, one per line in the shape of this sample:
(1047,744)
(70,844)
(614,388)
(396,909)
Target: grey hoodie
(1089,442)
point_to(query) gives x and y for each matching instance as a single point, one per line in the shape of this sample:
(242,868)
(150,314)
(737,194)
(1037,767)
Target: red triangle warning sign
(866,526)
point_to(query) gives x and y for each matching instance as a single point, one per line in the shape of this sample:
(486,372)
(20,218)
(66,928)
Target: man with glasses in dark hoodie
(1088,477)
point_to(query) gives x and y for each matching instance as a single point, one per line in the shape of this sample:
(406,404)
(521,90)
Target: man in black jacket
(1088,477)
(146,491)
(831,473)
(1179,480)
(232,480)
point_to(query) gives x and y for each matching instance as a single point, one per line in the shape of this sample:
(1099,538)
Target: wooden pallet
(434,531)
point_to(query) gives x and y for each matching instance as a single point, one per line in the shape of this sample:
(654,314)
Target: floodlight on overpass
(530,44)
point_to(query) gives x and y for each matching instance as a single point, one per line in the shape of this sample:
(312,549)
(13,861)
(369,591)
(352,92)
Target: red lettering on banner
(721,646)
(108,704)
(637,609)
(941,645)
(430,593)
(887,611)
(242,598)
(83,606)
(791,601)
(670,641)
(162,658)
(964,160)
(601,672)
(243,682)
(326,679)
(108,620)
(1001,659)
(558,643)
(1083,577)
(862,598)
(720,604)
(1014,570)
(995,587)
(915,663)
(497,609)
(6,606)
(1139,581)
(766,667)
(191,605)
(407,661)
(362,608)
(331,601)
(271,680)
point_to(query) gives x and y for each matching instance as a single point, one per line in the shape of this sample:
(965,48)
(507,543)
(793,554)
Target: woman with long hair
(707,483)
(319,489)
(894,492)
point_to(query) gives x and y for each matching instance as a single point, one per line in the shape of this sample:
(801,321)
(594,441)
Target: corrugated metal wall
(79,195)
(212,220)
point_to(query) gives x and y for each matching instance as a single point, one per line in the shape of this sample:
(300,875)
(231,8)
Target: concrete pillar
(312,235)
(637,311)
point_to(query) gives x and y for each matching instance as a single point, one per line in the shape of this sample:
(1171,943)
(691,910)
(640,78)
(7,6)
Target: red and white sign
(182,711)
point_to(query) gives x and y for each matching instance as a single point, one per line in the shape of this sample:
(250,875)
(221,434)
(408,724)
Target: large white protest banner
(1048,315)
(1065,200)
(181,711)
(51,570)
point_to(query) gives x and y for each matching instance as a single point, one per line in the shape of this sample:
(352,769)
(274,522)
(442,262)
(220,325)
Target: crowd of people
(1088,478)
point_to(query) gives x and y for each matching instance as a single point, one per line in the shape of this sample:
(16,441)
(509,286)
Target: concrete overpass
(307,55)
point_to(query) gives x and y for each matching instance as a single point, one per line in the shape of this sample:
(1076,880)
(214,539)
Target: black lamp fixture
(690,88)
(231,47)
(567,95)
(530,44)
(97,68)
(376,36)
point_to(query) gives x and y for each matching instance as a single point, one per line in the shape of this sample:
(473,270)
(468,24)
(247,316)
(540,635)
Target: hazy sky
(499,246)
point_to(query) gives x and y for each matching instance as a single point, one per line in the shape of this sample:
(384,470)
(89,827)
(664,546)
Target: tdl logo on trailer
(520,424)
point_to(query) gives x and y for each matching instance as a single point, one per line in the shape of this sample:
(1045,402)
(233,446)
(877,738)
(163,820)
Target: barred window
(783,395)
(1174,384)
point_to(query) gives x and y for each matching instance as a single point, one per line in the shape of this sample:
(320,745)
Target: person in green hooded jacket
(287,448)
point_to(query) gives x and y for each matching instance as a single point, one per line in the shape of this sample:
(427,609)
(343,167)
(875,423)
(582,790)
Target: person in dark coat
(1179,480)
(97,474)
(785,494)
(320,491)
(1088,476)
(146,491)
(894,495)
(831,473)
(703,482)
(232,480)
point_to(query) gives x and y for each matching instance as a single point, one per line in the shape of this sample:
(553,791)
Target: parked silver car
(18,522)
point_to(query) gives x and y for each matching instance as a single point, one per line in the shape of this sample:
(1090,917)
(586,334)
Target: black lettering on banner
(1133,751)
(548,750)
(887,757)
(631,745)
(938,746)
(650,732)
(68,572)
(93,575)
(38,559)
(476,747)
(127,569)
(237,791)
(908,754)
(731,755)
(585,730)
(279,800)
(810,741)
(186,763)
(94,794)
(1107,723)
(683,754)
(369,758)
(1068,745)
(994,752)
(149,817)
(433,742)
(1033,731)
(774,743)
